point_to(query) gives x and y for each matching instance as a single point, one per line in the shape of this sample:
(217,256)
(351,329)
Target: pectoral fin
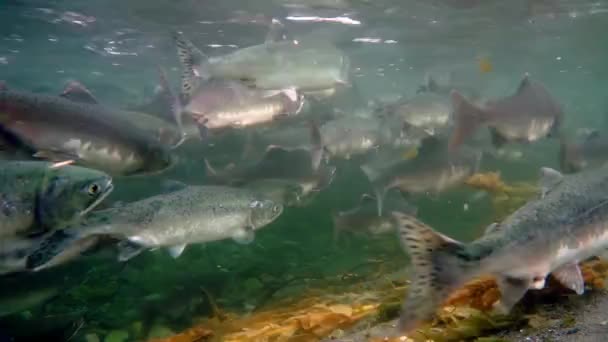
(570,276)
(177,250)
(244,236)
(549,179)
(128,250)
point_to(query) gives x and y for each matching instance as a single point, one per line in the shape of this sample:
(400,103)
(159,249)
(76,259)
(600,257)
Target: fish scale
(58,128)
(565,225)
(194,214)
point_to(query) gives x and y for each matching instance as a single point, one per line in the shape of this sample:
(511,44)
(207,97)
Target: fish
(283,191)
(364,218)
(192,215)
(306,65)
(303,165)
(525,117)
(162,131)
(564,225)
(277,163)
(433,172)
(217,103)
(425,115)
(346,137)
(37,196)
(91,135)
(162,105)
(588,150)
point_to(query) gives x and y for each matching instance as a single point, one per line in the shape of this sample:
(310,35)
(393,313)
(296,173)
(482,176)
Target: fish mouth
(109,187)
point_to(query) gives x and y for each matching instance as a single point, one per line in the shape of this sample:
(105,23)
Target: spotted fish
(551,234)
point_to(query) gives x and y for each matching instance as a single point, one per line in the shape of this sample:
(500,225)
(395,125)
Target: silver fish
(216,103)
(424,115)
(92,135)
(527,116)
(433,172)
(306,65)
(587,151)
(346,137)
(364,217)
(565,225)
(195,214)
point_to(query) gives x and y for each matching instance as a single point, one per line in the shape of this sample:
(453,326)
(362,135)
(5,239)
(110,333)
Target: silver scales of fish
(217,103)
(564,225)
(435,170)
(313,66)
(526,116)
(425,115)
(190,215)
(75,127)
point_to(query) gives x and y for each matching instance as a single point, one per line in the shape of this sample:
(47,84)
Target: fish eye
(275,209)
(93,189)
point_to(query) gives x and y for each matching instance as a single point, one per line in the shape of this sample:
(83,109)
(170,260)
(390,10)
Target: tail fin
(440,265)
(379,190)
(59,247)
(210,170)
(194,65)
(174,105)
(316,146)
(467,118)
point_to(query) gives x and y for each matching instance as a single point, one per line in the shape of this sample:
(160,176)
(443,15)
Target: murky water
(275,118)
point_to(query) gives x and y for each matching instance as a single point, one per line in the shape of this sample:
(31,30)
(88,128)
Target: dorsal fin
(549,179)
(77,92)
(492,228)
(193,63)
(524,84)
(276,33)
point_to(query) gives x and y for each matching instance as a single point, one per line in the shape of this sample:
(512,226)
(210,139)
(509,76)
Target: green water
(113,47)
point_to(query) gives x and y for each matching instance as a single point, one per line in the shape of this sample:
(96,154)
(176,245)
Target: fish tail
(316,146)
(50,248)
(194,65)
(440,265)
(379,189)
(467,118)
(210,170)
(174,106)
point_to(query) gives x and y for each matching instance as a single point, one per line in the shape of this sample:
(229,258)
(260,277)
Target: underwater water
(240,195)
